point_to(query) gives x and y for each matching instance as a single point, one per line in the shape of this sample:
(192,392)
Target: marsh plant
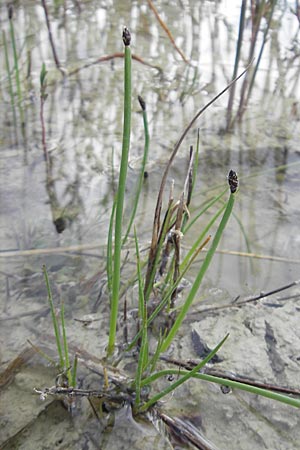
(159,279)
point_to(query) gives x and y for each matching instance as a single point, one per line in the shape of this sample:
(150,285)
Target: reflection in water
(67,201)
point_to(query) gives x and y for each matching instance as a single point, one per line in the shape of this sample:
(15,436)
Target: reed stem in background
(168,32)
(121,193)
(236,64)
(56,60)
(43,97)
(16,64)
(194,289)
(11,91)
(266,31)
(256,16)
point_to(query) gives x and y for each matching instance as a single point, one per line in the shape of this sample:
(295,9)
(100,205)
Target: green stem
(65,342)
(143,356)
(120,198)
(200,275)
(74,371)
(230,383)
(54,319)
(141,176)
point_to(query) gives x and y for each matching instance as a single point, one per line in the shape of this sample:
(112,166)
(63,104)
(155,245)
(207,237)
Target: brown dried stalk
(166,29)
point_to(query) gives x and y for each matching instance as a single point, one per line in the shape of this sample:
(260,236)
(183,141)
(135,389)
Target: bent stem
(187,375)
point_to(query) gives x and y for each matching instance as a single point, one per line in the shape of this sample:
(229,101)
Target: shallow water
(83,122)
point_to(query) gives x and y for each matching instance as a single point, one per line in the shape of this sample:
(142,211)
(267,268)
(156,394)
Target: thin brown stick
(236,304)
(111,57)
(186,430)
(15,366)
(168,32)
(56,60)
(47,251)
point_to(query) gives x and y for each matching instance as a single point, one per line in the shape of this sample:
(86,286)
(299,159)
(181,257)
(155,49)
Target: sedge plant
(173,225)
(145,372)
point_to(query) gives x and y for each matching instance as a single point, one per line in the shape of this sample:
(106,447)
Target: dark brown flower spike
(233,181)
(126,37)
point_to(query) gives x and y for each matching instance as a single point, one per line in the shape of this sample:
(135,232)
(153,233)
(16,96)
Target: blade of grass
(121,193)
(199,278)
(54,319)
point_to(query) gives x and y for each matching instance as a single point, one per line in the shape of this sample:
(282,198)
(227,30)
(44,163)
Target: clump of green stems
(145,373)
(166,236)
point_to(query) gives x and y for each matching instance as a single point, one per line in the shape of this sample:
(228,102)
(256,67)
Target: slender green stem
(120,195)
(65,343)
(109,256)
(143,356)
(54,320)
(74,371)
(187,375)
(200,275)
(142,171)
